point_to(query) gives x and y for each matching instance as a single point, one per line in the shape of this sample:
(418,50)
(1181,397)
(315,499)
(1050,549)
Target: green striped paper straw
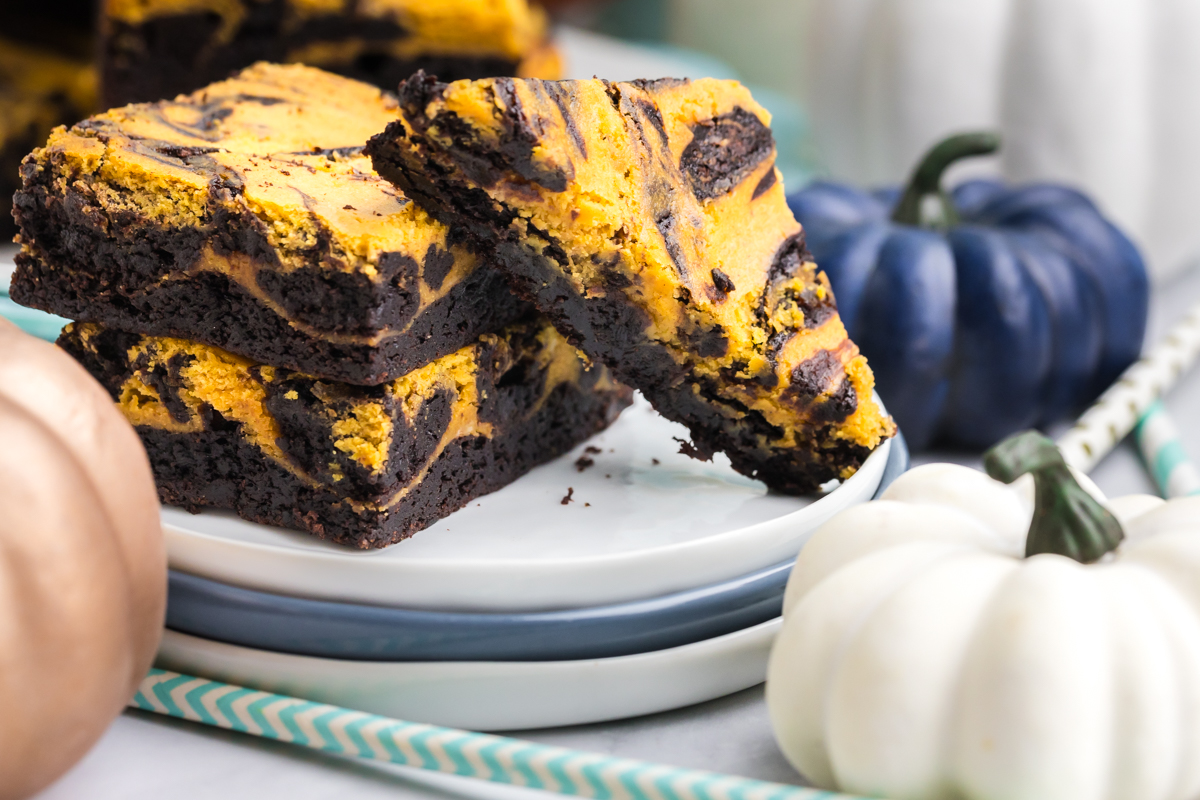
(1119,409)
(1162,449)
(499,759)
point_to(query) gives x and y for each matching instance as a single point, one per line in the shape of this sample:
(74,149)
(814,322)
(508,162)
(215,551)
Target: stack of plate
(621,579)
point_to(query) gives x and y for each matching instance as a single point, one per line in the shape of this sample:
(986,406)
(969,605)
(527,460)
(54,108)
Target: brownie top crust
(649,221)
(511,29)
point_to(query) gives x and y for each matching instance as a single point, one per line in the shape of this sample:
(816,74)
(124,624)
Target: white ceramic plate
(493,695)
(643,521)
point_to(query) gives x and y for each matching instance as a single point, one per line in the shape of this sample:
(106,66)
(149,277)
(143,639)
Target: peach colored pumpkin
(82,562)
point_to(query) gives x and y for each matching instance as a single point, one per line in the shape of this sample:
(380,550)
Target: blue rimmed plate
(374,633)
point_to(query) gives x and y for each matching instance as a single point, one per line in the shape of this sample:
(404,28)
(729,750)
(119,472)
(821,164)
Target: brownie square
(245,216)
(360,466)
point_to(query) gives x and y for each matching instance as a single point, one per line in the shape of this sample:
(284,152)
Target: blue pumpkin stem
(926,180)
(1066,519)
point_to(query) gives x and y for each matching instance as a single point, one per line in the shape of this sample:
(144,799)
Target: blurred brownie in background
(40,87)
(66,27)
(156,49)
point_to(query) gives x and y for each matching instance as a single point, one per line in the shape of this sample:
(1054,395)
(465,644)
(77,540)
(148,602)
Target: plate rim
(277,569)
(440,668)
(659,622)
(880,454)
(241,616)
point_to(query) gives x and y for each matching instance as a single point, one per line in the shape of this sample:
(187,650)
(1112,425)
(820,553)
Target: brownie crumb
(592,450)
(567,499)
(692,451)
(349,207)
(655,461)
(722,281)
(587,505)
(608,476)
(583,462)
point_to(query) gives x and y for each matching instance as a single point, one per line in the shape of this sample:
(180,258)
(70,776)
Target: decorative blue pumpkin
(985,310)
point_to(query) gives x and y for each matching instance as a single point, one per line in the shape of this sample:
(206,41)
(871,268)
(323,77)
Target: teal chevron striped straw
(1162,449)
(342,731)
(39,323)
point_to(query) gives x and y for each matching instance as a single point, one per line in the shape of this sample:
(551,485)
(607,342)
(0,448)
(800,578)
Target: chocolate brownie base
(365,467)
(13,148)
(757,366)
(218,471)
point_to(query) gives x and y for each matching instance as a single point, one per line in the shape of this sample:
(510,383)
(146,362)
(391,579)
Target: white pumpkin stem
(1067,520)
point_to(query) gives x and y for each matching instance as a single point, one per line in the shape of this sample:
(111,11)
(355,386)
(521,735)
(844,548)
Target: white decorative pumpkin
(1100,94)
(924,656)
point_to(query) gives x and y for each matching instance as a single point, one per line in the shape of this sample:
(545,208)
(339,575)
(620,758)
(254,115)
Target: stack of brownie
(293,338)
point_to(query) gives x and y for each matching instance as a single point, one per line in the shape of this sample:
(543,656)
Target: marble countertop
(143,756)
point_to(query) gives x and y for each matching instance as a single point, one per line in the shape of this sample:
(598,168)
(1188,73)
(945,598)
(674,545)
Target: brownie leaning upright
(648,221)
(291,336)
